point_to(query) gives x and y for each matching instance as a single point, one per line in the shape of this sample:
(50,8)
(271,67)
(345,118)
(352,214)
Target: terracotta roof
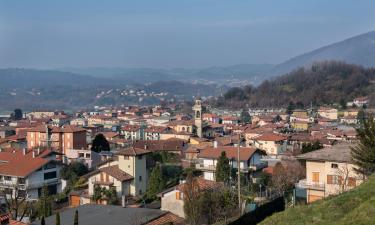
(155,129)
(131,128)
(117,173)
(110,134)
(161,145)
(167,218)
(133,151)
(54,129)
(203,184)
(271,137)
(231,152)
(14,163)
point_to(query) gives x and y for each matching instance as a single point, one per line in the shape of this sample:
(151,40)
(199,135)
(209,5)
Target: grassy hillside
(353,207)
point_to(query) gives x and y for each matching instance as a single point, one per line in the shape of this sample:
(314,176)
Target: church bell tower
(197,108)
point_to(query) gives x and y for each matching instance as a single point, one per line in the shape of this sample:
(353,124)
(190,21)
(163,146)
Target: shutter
(351,182)
(177,195)
(329,179)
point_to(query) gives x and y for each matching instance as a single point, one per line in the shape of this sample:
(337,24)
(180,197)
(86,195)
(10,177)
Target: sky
(172,33)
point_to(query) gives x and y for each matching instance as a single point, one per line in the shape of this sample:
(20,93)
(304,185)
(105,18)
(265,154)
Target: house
(172,145)
(271,143)
(85,156)
(29,170)
(93,214)
(361,101)
(329,171)
(128,174)
(132,132)
(153,132)
(230,120)
(349,119)
(6,131)
(182,126)
(329,113)
(249,160)
(211,117)
(300,125)
(59,138)
(172,199)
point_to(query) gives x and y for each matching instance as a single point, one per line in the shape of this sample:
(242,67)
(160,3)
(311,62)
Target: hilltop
(358,50)
(322,83)
(353,207)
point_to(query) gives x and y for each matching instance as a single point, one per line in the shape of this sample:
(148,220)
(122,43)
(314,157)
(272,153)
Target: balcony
(258,166)
(304,184)
(103,183)
(11,184)
(205,167)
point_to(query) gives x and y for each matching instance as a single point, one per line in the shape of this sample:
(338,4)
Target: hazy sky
(172,33)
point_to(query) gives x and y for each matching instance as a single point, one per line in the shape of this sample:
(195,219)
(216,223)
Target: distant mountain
(49,89)
(358,50)
(229,75)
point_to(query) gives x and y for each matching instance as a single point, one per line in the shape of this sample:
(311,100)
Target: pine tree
(156,183)
(76,218)
(100,143)
(57,218)
(223,168)
(363,153)
(44,204)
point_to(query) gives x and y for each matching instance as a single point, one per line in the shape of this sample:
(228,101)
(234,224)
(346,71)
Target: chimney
(33,154)
(145,147)
(215,144)
(1,149)
(38,151)
(24,151)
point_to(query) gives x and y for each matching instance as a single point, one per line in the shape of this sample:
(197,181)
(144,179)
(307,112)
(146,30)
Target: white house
(29,170)
(250,160)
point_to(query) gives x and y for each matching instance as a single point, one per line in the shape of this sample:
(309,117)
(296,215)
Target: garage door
(313,198)
(75,200)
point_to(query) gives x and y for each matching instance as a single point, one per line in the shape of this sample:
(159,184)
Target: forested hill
(323,83)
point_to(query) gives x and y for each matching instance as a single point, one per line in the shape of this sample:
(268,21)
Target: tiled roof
(116,172)
(231,152)
(166,219)
(271,137)
(14,163)
(155,129)
(54,129)
(161,145)
(336,153)
(203,184)
(131,128)
(133,151)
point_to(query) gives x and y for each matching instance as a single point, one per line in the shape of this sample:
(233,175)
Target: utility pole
(239,175)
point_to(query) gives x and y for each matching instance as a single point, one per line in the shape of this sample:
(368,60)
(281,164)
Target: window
(334,179)
(140,178)
(21,180)
(88,156)
(334,166)
(8,178)
(351,182)
(81,155)
(140,191)
(315,177)
(126,157)
(49,166)
(178,195)
(50,175)
(139,157)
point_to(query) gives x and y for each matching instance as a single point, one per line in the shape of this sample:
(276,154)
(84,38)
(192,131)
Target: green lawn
(354,207)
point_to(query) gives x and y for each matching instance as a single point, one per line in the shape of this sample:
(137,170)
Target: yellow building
(300,125)
(329,171)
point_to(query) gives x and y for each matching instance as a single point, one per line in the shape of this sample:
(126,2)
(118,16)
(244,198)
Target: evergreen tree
(223,169)
(156,183)
(18,114)
(100,143)
(44,204)
(245,117)
(361,117)
(363,153)
(76,218)
(57,218)
(42,222)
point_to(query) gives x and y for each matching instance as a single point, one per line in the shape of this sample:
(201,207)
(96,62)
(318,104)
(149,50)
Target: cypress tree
(42,222)
(57,218)
(223,168)
(156,183)
(76,218)
(363,154)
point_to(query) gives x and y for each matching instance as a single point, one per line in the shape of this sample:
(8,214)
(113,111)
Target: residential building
(132,132)
(271,143)
(250,160)
(29,171)
(329,113)
(59,138)
(172,199)
(128,174)
(85,156)
(329,171)
(153,132)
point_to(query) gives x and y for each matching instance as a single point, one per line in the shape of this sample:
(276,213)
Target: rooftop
(337,153)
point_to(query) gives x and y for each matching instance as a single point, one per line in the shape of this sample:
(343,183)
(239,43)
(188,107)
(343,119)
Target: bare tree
(16,201)
(286,174)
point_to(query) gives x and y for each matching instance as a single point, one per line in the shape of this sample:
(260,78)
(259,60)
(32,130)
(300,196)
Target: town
(166,164)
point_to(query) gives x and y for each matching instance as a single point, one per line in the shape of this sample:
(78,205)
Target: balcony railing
(304,184)
(11,184)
